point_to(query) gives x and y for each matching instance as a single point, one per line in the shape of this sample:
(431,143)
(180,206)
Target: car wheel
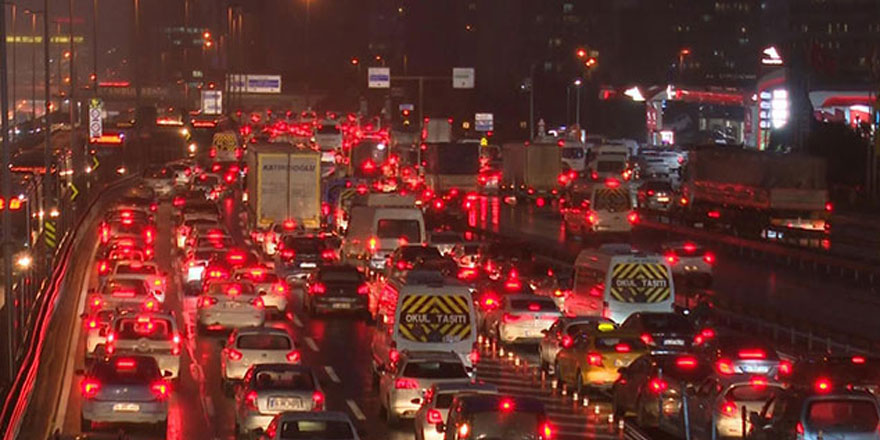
(85,424)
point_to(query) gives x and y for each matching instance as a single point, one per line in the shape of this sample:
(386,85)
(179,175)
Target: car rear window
(749,393)
(341,275)
(619,344)
(126,290)
(263,342)
(303,245)
(842,415)
(443,400)
(409,230)
(154,329)
(127,269)
(445,238)
(434,370)
(666,323)
(316,429)
(533,305)
(410,253)
(519,424)
(283,380)
(126,371)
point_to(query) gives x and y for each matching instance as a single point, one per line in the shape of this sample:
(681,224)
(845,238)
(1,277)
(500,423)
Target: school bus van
(615,280)
(424,311)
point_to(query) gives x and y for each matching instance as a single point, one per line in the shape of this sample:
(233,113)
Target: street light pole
(577,117)
(14,65)
(95,47)
(7,191)
(307,53)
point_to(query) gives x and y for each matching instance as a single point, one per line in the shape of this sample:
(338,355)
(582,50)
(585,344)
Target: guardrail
(20,393)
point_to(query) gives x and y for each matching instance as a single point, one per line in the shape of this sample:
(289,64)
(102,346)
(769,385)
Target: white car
(402,383)
(229,305)
(521,318)
(435,406)
(96,326)
(690,261)
(149,334)
(270,389)
(256,345)
(146,271)
(274,291)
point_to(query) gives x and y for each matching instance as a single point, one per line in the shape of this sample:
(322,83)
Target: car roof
(261,331)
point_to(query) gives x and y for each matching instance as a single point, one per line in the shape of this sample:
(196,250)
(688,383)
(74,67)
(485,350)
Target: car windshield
(666,323)
(126,371)
(752,393)
(155,329)
(263,342)
(434,370)
(537,304)
(842,415)
(283,380)
(130,269)
(341,275)
(410,253)
(573,153)
(316,430)
(303,245)
(409,230)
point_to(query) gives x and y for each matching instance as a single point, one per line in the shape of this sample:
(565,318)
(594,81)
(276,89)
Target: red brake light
(534,307)
(90,388)
(434,417)
(258,303)
(467,274)
(234,355)
(622,348)
(393,355)
(633,217)
(318,289)
(509,318)
(671,258)
(567,341)
(178,202)
(657,385)
(823,385)
(96,301)
(288,254)
(405,383)
(829,206)
(752,354)
(363,289)
(647,338)
(725,366)
(546,431)
(758,382)
(206,301)
(489,302)
(785,368)
(160,390)
(92,323)
(709,258)
(250,400)
(328,254)
(506,405)
(317,400)
(728,409)
(514,285)
(858,360)
(612,183)
(594,359)
(686,362)
(474,355)
(373,244)
(799,428)
(293,356)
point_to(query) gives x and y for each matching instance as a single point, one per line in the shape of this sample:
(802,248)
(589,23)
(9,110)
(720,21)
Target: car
(721,403)
(556,285)
(123,294)
(562,333)
(402,383)
(127,227)
(735,354)
(690,262)
(183,198)
(298,256)
(435,406)
(521,318)
(148,272)
(656,382)
(411,256)
(595,358)
(661,330)
(483,416)
(656,195)
(336,288)
(444,241)
(466,254)
(825,411)
(151,334)
(269,389)
(194,265)
(96,326)
(325,425)
(107,257)
(856,371)
(274,291)
(229,305)
(487,294)
(255,345)
(160,180)
(124,389)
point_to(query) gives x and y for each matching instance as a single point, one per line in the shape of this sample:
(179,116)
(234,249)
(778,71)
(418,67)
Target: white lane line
(331,373)
(355,410)
(311,343)
(297,322)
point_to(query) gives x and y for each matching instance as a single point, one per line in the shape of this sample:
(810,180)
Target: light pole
(14,65)
(6,180)
(681,54)
(307,53)
(577,113)
(33,15)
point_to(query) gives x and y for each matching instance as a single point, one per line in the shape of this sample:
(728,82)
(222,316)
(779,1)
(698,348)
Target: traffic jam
(305,277)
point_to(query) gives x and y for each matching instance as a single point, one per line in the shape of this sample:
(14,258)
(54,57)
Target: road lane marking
(311,343)
(296,321)
(355,410)
(332,374)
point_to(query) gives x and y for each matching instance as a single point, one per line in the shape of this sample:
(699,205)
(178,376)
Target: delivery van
(377,228)
(424,311)
(615,280)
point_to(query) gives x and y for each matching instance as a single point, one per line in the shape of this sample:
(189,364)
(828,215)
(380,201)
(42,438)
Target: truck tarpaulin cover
(640,283)
(288,189)
(435,318)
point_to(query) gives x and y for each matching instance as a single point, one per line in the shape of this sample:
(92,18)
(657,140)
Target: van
(424,311)
(609,161)
(376,229)
(615,281)
(606,208)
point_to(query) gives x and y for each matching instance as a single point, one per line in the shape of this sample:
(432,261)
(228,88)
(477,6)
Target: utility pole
(14,65)
(95,47)
(48,184)
(7,191)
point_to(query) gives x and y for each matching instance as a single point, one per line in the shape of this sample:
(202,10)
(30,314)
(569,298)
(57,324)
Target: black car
(487,416)
(298,256)
(337,288)
(669,331)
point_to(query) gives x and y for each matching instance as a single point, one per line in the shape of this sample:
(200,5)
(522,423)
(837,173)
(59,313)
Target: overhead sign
(379,77)
(484,122)
(96,122)
(212,102)
(403,107)
(254,83)
(463,77)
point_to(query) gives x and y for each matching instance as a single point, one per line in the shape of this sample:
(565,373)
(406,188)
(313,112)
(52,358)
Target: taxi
(594,358)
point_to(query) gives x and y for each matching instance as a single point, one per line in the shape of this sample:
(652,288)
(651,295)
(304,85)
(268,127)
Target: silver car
(256,345)
(521,318)
(324,425)
(271,389)
(124,389)
(435,407)
(149,334)
(401,385)
(96,326)
(562,333)
(123,295)
(690,261)
(719,403)
(274,291)
(230,305)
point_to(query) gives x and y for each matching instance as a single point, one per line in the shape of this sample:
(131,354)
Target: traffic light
(591,62)
(404,115)
(581,53)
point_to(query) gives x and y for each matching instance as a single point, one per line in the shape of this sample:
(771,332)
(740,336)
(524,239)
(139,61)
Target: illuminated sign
(38,39)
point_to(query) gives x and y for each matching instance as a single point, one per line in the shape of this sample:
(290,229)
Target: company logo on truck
(433,318)
(293,167)
(640,283)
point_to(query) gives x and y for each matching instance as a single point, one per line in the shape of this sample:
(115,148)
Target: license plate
(126,407)
(341,305)
(679,342)
(232,305)
(308,265)
(284,403)
(758,369)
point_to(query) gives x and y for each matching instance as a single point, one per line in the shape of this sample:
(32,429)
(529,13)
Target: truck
(437,130)
(283,184)
(225,146)
(776,196)
(451,165)
(533,168)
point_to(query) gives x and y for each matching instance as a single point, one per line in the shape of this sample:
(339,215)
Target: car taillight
(405,383)
(434,417)
(95,302)
(103,267)
(92,323)
(594,359)
(647,338)
(657,385)
(671,258)
(212,153)
(633,217)
(799,428)
(318,289)
(328,255)
(250,401)
(709,258)
(293,356)
(373,244)
(393,355)
(105,234)
(258,303)
(622,348)
(233,354)
(178,202)
(686,362)
(728,409)
(567,341)
(474,355)
(154,206)
(489,302)
(149,235)
(785,368)
(725,366)
(90,388)
(160,390)
(280,288)
(151,305)
(752,354)
(509,318)
(363,289)
(546,431)
(288,254)
(175,347)
(206,301)
(823,385)
(317,400)
(467,273)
